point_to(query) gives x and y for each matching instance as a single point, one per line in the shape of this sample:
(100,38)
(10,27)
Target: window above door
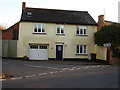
(60,30)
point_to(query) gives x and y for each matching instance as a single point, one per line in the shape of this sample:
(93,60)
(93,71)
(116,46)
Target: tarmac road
(31,74)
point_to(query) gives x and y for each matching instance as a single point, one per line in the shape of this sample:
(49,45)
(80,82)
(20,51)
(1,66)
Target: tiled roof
(57,16)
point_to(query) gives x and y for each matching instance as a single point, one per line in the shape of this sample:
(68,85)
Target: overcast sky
(10,10)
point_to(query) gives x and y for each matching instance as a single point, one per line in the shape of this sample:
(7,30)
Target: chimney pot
(101,18)
(23,4)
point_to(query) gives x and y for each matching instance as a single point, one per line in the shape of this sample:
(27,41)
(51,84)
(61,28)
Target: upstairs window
(81,30)
(60,29)
(39,28)
(81,49)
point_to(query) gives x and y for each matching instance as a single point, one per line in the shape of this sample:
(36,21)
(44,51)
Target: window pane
(81,31)
(77,48)
(84,49)
(34,46)
(39,27)
(62,31)
(77,31)
(35,28)
(58,30)
(43,27)
(43,30)
(84,31)
(81,49)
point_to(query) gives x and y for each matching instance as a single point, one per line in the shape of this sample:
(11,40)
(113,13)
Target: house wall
(69,40)
(9,48)
(101,52)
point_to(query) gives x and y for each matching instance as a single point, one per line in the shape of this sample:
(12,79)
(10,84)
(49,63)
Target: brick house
(101,23)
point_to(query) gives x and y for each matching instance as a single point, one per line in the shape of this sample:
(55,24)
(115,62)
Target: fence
(9,48)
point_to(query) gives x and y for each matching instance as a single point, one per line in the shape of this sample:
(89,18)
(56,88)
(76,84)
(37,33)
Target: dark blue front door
(59,52)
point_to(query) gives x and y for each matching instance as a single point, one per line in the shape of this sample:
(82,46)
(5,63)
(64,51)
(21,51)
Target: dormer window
(29,14)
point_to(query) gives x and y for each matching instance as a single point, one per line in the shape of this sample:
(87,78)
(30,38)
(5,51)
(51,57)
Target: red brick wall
(9,34)
(101,22)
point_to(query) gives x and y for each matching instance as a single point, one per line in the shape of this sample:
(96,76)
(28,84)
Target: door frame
(56,50)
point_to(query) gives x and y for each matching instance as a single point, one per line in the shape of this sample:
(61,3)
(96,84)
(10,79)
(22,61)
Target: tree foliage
(108,34)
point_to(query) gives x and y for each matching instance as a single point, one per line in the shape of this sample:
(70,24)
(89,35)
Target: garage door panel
(40,53)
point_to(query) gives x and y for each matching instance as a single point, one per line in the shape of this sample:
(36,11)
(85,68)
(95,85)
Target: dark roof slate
(57,16)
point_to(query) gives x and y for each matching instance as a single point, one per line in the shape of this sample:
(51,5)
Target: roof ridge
(55,9)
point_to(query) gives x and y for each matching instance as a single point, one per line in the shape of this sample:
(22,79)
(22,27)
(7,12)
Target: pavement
(69,62)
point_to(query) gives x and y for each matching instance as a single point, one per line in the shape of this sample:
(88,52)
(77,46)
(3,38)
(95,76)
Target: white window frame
(39,26)
(60,31)
(82,29)
(84,47)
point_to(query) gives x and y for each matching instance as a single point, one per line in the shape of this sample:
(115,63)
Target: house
(101,23)
(45,34)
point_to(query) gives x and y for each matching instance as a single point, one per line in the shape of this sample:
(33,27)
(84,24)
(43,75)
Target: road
(35,74)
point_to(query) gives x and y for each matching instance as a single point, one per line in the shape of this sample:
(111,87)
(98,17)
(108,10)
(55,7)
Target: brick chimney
(101,22)
(23,4)
(101,18)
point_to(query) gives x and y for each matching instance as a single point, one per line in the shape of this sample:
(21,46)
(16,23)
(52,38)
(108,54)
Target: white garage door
(38,52)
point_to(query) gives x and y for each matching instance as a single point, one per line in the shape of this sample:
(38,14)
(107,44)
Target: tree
(109,34)
(2,27)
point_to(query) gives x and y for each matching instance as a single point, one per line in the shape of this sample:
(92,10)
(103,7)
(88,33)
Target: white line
(71,69)
(40,66)
(93,66)
(51,67)
(51,72)
(34,66)
(4,62)
(56,72)
(78,68)
(74,67)
(44,73)
(61,71)
(65,69)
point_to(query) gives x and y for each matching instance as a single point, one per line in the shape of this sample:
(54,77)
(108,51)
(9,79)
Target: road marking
(71,69)
(74,67)
(40,66)
(34,66)
(4,62)
(65,69)
(51,67)
(60,70)
(78,68)
(51,72)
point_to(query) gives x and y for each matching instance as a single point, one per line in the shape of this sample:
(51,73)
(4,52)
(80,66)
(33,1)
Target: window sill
(81,54)
(61,34)
(81,35)
(40,33)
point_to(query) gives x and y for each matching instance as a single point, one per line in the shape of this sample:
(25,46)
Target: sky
(10,10)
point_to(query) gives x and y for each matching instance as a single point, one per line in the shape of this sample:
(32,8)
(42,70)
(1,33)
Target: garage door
(38,52)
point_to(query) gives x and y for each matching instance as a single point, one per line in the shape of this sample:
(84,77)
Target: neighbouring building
(101,23)
(44,34)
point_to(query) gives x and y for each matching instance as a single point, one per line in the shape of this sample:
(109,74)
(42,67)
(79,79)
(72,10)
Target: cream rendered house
(55,34)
